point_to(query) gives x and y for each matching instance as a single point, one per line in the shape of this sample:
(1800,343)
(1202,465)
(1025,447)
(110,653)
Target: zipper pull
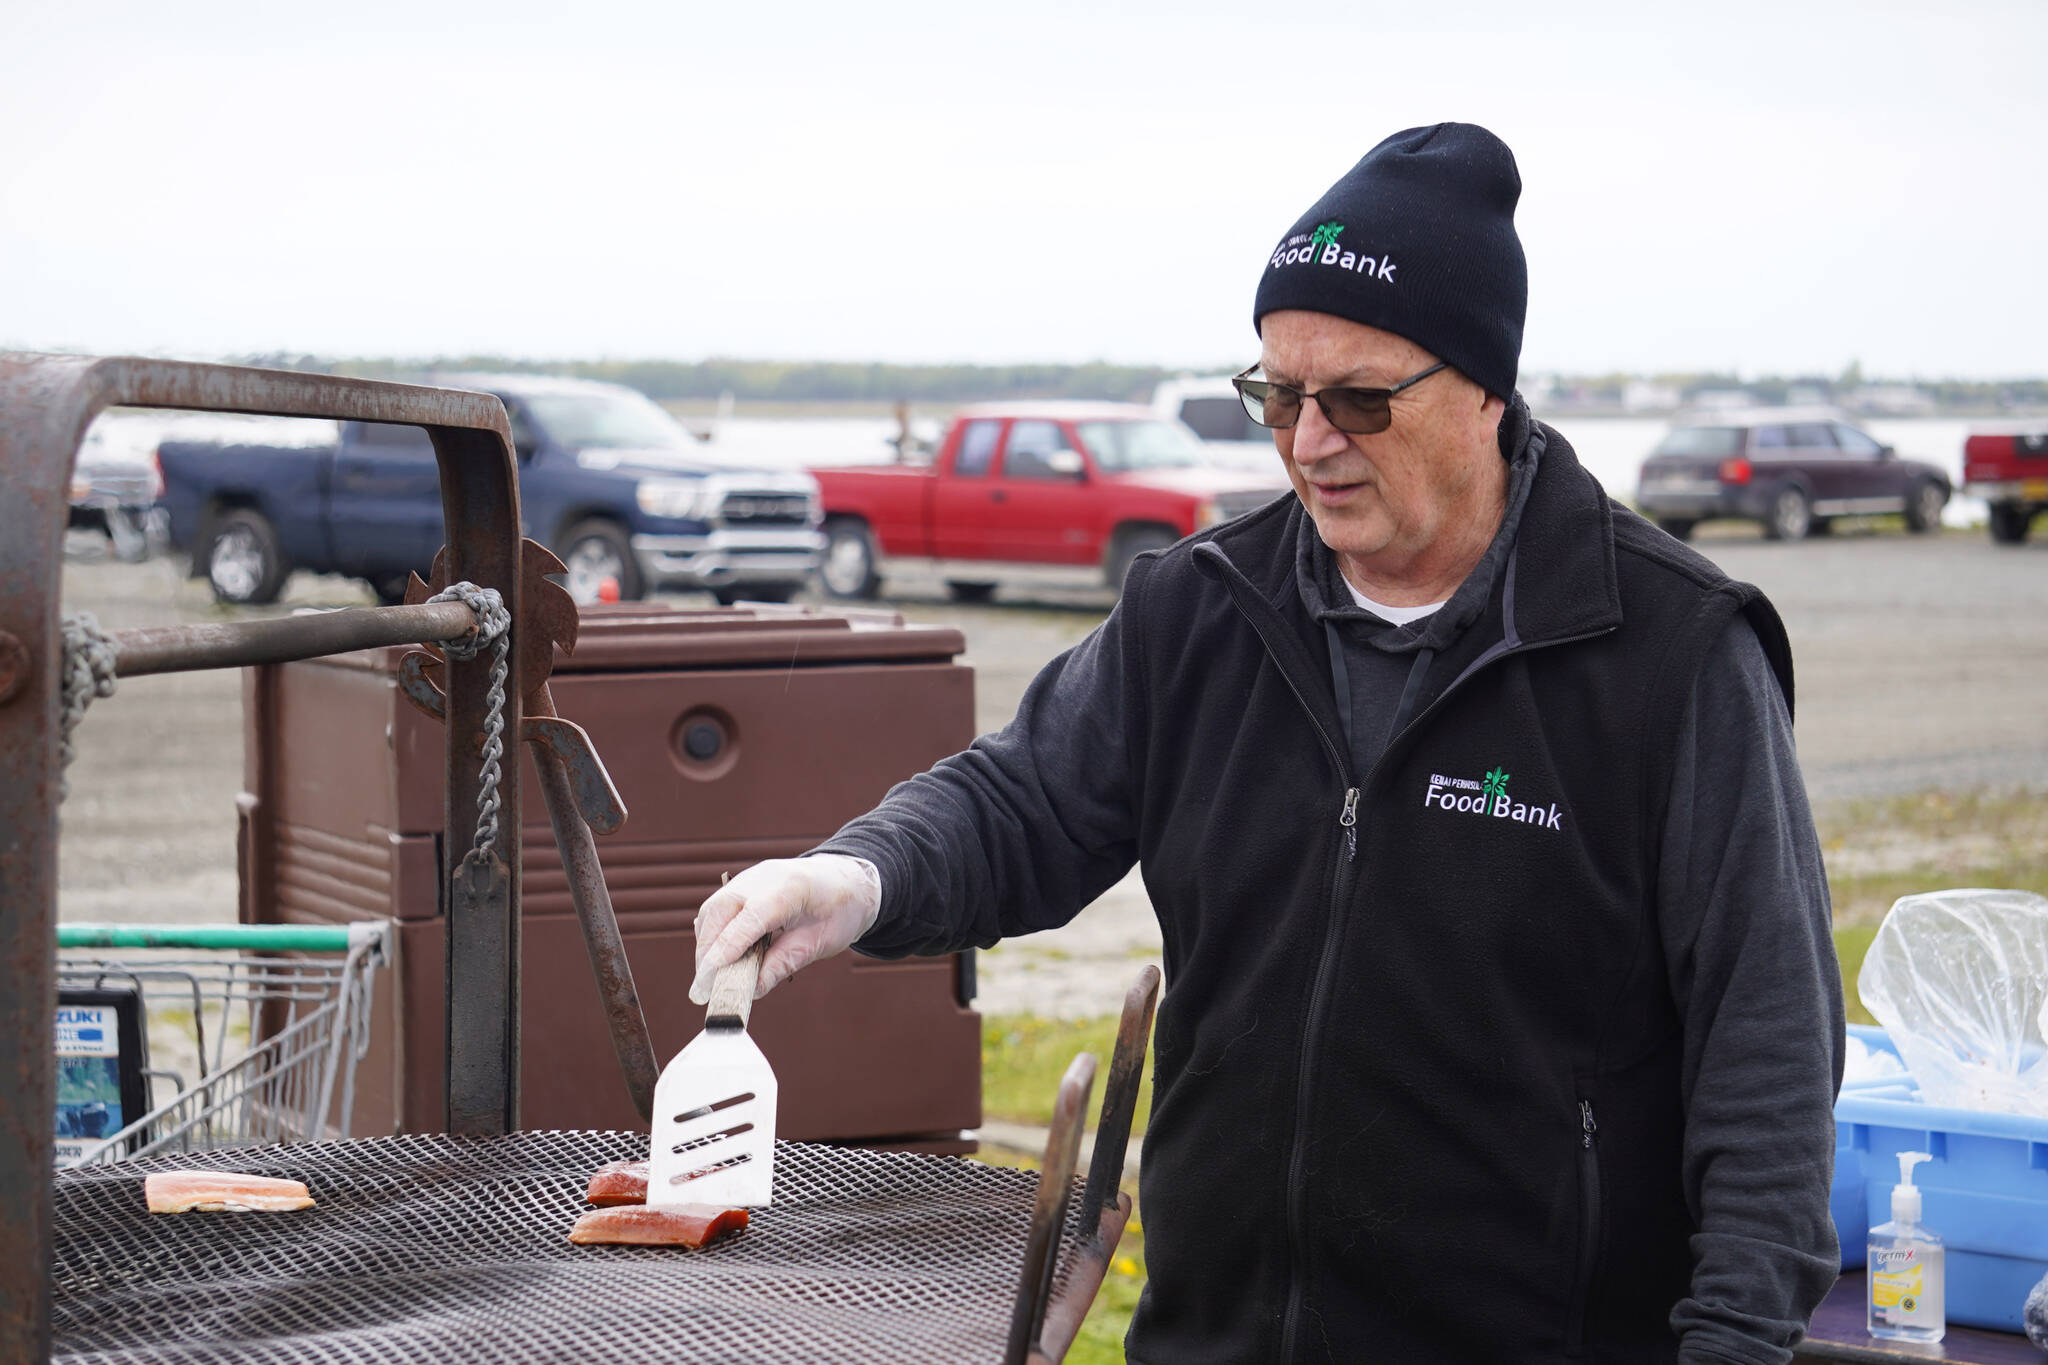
(1586,1125)
(1349,820)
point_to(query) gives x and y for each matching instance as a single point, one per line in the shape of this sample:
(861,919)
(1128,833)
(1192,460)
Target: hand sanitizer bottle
(1907,1299)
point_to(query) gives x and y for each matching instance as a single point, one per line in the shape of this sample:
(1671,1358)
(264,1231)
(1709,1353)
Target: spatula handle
(732,990)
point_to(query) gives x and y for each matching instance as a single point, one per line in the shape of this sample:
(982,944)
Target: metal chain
(89,663)
(494,628)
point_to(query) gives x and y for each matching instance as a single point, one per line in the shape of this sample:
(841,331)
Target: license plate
(2035,490)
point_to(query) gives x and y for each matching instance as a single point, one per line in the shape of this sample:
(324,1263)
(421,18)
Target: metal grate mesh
(456,1249)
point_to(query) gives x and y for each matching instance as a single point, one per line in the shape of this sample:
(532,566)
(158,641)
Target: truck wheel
(970,592)
(2010,522)
(1678,528)
(1791,515)
(125,534)
(755,592)
(1923,506)
(849,567)
(244,562)
(593,551)
(1128,546)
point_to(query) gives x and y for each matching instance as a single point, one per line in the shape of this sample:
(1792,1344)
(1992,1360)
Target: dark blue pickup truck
(607,480)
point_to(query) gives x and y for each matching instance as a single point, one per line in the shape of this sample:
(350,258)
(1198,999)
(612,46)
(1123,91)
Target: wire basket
(248,1032)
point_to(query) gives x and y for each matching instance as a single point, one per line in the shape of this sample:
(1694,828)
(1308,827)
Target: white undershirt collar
(1399,616)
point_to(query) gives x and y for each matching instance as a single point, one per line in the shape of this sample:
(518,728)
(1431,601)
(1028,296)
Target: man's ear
(1510,424)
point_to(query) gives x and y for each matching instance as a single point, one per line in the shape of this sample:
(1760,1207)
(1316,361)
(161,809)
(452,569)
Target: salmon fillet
(658,1225)
(214,1191)
(618,1182)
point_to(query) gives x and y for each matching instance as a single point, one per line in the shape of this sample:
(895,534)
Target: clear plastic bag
(1959,979)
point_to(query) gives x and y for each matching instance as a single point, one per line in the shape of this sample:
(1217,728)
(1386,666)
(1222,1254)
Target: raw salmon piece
(618,1182)
(657,1225)
(213,1191)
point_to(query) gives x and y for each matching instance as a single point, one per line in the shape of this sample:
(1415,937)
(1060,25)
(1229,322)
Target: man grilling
(1502,1018)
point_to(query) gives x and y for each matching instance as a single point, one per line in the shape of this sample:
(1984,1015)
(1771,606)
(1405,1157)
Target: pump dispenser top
(1905,1194)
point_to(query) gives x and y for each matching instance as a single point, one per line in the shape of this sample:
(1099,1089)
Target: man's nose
(1314,438)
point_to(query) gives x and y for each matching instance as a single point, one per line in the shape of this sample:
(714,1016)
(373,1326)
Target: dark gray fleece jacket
(1510,1035)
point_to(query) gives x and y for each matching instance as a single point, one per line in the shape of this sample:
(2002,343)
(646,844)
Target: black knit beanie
(1418,239)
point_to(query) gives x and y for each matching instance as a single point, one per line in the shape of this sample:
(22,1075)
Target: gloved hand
(814,907)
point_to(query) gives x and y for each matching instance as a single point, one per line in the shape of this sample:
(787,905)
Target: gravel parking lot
(1919,662)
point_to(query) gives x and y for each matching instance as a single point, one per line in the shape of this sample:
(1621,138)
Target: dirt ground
(1919,665)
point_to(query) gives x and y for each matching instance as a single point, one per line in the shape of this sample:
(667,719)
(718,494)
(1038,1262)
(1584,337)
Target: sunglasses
(1361,412)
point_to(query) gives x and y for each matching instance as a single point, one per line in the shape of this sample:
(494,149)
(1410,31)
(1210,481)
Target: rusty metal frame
(46,404)
(1120,1095)
(580,799)
(173,649)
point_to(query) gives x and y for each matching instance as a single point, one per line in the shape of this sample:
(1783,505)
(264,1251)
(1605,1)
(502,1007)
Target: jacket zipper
(1297,1237)
(1297,1233)
(1589,1228)
(1347,820)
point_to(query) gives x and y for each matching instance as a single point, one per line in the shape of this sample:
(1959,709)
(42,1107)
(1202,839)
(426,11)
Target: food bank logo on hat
(1320,248)
(1417,239)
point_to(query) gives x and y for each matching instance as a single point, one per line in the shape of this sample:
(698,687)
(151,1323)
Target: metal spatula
(714,1106)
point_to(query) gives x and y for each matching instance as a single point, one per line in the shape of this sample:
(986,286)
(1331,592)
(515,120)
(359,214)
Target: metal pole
(593,900)
(44,411)
(235,644)
(1120,1097)
(1049,1211)
(480,508)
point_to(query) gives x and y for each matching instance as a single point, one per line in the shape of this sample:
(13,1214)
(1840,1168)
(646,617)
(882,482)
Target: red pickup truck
(1046,494)
(2009,470)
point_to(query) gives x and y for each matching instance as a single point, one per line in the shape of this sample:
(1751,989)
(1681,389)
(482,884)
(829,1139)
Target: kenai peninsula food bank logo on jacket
(1463,796)
(1321,248)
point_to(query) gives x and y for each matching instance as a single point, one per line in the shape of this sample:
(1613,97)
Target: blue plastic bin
(1986,1191)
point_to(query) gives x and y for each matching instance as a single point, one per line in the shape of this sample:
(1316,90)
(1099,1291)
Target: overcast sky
(1780,187)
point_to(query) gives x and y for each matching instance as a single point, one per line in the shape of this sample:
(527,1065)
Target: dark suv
(1790,469)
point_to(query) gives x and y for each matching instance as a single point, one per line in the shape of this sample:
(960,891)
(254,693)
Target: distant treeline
(1966,395)
(824,381)
(1962,395)
(785,381)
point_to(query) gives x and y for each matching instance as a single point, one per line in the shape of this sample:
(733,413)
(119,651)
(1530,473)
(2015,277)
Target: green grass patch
(1023,1057)
(1851,943)
(1878,851)
(1925,841)
(1865,900)
(2008,813)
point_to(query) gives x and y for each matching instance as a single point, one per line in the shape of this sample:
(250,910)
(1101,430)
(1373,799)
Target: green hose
(307,938)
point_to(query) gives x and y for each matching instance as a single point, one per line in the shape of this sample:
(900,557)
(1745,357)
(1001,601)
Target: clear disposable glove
(810,907)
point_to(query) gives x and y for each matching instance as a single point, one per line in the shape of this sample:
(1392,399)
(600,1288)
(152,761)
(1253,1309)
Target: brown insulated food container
(733,735)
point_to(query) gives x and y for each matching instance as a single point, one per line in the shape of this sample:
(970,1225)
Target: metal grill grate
(456,1249)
